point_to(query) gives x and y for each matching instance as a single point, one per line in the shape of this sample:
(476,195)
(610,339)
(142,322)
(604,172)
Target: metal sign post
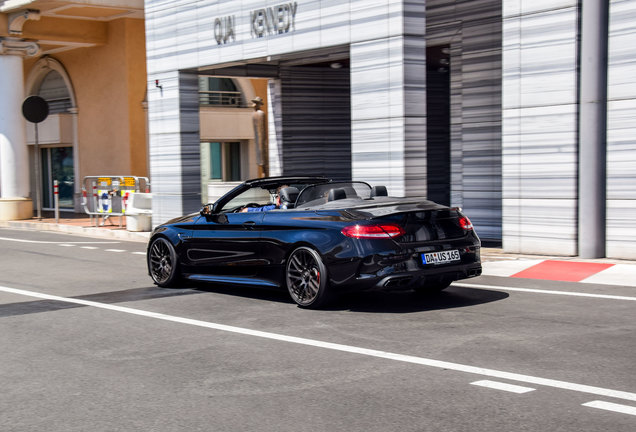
(36,110)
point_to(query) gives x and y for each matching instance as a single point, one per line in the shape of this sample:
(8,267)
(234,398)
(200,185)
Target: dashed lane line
(503,386)
(608,406)
(491,373)
(57,242)
(115,250)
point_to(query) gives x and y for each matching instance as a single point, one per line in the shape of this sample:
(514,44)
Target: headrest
(379,191)
(336,194)
(288,196)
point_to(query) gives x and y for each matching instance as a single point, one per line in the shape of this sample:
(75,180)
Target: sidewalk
(81,224)
(495,261)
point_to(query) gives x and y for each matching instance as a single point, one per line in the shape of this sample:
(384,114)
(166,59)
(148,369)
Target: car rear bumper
(405,270)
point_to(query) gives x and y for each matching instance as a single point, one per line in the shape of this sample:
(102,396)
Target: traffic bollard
(57,201)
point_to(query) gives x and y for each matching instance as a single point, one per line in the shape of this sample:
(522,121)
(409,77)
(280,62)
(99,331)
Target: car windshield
(259,195)
(320,194)
(255,195)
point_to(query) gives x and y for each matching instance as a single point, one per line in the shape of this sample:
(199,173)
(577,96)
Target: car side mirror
(207,210)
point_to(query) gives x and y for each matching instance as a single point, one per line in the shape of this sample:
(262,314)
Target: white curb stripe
(537,291)
(343,348)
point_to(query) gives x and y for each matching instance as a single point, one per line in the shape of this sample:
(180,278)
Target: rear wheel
(306,277)
(162,263)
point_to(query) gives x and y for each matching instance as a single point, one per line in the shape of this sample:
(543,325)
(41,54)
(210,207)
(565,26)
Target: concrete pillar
(14,161)
(593,128)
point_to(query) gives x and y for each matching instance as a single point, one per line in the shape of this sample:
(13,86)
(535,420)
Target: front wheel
(162,263)
(306,277)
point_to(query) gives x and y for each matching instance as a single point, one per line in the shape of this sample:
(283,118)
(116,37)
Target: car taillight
(465,223)
(373,231)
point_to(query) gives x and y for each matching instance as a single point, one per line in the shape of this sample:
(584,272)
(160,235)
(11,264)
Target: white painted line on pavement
(66,245)
(537,291)
(502,386)
(139,253)
(115,250)
(492,373)
(57,242)
(89,247)
(608,406)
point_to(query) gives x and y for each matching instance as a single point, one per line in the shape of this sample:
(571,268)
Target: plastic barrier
(110,196)
(139,212)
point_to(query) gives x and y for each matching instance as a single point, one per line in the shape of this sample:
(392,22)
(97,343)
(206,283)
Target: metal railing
(110,195)
(221,98)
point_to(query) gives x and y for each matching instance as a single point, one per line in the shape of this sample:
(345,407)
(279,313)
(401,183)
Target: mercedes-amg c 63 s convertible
(315,237)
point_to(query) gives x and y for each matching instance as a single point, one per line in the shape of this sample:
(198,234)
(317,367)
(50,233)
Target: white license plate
(441,257)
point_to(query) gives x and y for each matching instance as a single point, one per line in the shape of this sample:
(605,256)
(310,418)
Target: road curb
(118,234)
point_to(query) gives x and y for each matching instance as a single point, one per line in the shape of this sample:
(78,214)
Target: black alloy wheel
(306,278)
(162,262)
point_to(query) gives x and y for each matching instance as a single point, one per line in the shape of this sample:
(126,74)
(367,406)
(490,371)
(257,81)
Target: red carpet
(568,271)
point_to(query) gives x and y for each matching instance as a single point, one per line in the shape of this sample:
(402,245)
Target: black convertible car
(315,237)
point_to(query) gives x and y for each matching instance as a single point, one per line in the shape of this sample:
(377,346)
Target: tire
(306,278)
(163,265)
(433,286)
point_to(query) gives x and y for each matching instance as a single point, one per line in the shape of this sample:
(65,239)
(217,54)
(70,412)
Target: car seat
(288,196)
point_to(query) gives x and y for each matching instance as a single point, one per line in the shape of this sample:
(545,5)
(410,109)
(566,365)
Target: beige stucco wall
(109,81)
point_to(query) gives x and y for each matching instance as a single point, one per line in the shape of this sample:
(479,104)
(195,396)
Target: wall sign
(224,30)
(263,22)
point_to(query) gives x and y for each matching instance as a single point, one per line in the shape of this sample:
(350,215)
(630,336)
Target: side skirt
(234,280)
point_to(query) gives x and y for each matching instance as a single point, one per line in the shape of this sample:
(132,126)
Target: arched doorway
(57,135)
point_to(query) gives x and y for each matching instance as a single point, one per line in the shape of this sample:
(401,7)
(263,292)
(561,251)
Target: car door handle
(249,224)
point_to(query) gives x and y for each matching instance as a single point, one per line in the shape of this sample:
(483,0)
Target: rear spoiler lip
(395,207)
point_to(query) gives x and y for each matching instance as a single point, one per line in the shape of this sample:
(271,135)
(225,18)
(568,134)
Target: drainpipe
(593,128)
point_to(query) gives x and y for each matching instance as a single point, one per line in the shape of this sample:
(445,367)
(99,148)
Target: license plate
(441,257)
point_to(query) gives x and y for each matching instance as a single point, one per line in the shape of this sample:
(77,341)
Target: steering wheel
(247,205)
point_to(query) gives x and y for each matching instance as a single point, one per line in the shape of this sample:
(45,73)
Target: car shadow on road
(409,301)
(373,301)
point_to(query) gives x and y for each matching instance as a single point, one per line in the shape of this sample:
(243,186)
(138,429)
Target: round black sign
(35,109)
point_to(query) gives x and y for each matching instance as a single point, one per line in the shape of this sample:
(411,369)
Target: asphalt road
(88,343)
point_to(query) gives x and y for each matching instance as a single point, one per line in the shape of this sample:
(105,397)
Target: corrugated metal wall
(316,121)
(473,31)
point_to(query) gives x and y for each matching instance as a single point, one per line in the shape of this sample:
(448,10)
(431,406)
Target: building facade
(481,104)
(87,60)
(521,112)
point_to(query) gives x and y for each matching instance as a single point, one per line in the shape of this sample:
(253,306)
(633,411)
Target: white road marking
(114,250)
(56,242)
(139,253)
(89,247)
(66,245)
(503,386)
(537,291)
(492,373)
(608,406)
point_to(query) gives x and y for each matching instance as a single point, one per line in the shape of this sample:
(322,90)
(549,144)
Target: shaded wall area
(316,121)
(472,31)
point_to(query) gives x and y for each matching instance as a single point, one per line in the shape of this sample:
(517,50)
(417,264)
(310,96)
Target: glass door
(57,164)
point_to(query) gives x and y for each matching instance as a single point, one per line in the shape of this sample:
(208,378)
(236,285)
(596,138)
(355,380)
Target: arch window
(53,89)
